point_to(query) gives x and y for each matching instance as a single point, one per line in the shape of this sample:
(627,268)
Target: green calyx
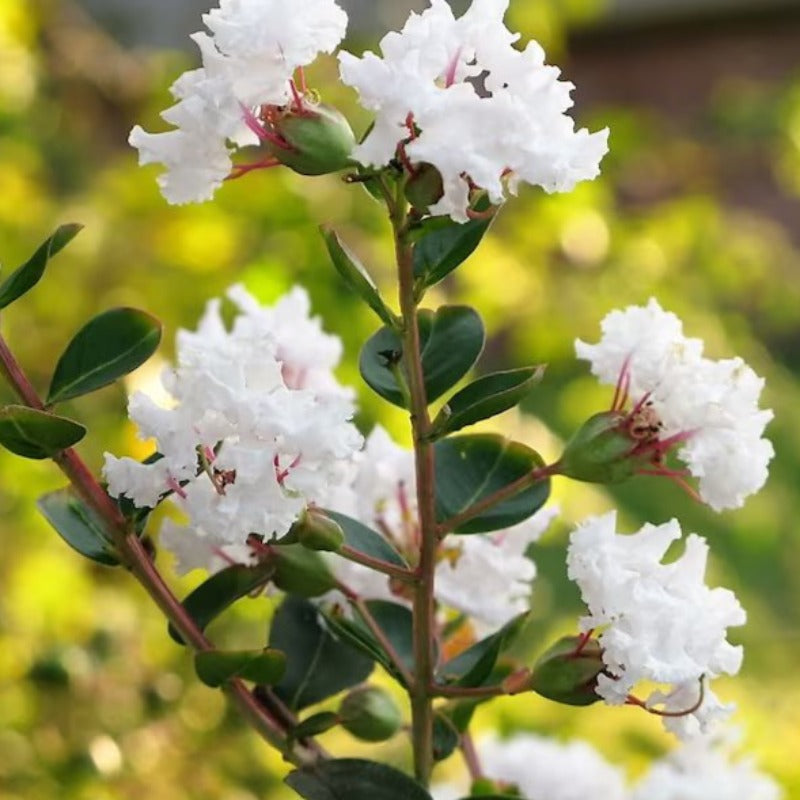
(424,188)
(567,672)
(317,532)
(319,140)
(601,451)
(370,714)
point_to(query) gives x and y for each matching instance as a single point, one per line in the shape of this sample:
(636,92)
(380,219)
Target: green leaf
(317,665)
(263,667)
(394,620)
(446,736)
(109,346)
(354,779)
(30,273)
(363,539)
(315,724)
(356,275)
(440,248)
(486,397)
(78,525)
(451,339)
(471,467)
(31,433)
(473,666)
(220,591)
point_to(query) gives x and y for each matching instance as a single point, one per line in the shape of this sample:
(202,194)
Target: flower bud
(319,138)
(424,187)
(600,452)
(369,713)
(300,571)
(567,672)
(317,532)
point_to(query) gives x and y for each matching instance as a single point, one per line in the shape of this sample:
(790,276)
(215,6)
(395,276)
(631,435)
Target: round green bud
(601,451)
(369,713)
(567,672)
(319,138)
(424,187)
(300,571)
(317,532)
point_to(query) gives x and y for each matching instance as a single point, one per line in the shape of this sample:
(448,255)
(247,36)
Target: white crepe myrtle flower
(248,63)
(383,497)
(456,94)
(543,768)
(681,399)
(242,451)
(658,622)
(705,768)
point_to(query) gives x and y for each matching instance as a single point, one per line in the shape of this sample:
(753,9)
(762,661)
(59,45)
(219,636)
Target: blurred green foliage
(95,700)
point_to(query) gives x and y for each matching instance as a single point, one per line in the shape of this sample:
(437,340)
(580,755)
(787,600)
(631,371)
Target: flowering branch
(136,558)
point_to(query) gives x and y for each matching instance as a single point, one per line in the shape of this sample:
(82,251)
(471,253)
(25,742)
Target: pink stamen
(176,487)
(301,77)
(622,387)
(243,169)
(209,454)
(582,642)
(639,406)
(450,74)
(404,159)
(676,477)
(220,553)
(264,134)
(412,128)
(282,474)
(296,96)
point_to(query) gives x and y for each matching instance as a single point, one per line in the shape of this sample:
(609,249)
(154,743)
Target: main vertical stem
(421,701)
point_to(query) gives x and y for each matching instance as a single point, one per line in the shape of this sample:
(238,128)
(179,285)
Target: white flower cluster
(468,102)
(383,497)
(702,769)
(258,431)
(543,768)
(714,404)
(248,61)
(659,622)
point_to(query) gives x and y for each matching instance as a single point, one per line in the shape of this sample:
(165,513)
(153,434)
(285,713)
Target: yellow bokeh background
(96,702)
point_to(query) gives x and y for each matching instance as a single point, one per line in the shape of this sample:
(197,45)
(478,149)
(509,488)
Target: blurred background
(698,204)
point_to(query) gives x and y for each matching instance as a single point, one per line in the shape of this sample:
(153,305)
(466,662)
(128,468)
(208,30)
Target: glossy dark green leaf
(315,724)
(354,779)
(475,664)
(440,248)
(486,397)
(451,339)
(317,664)
(220,591)
(30,273)
(469,468)
(366,541)
(109,346)
(78,525)
(263,667)
(561,675)
(355,274)
(446,736)
(31,433)
(394,620)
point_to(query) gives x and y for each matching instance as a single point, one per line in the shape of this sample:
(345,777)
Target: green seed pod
(369,713)
(319,138)
(317,532)
(600,452)
(567,672)
(300,571)
(424,188)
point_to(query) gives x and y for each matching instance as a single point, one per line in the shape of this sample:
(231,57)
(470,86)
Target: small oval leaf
(317,664)
(109,346)
(446,736)
(363,539)
(440,248)
(220,591)
(486,397)
(469,468)
(36,434)
(354,779)
(451,339)
(30,273)
(78,525)
(264,667)
(356,275)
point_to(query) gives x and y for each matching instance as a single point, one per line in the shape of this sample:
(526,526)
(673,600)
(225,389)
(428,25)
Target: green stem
(501,495)
(136,558)
(423,624)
